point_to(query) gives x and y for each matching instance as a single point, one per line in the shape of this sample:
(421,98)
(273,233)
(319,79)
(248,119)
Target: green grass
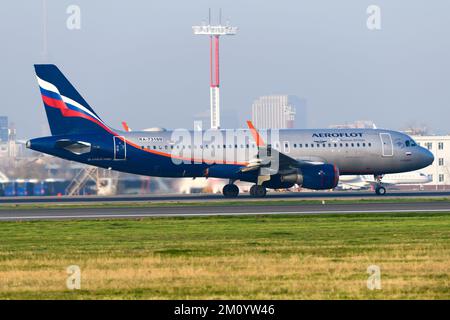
(254,257)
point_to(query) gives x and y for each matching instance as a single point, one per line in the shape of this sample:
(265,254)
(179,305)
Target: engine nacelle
(320,177)
(316,177)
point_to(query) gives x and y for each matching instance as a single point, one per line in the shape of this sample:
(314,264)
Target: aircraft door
(387,148)
(120,148)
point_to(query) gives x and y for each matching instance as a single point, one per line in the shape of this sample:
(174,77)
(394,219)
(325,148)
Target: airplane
(310,158)
(366,181)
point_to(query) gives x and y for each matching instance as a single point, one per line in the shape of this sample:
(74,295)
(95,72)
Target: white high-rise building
(279,112)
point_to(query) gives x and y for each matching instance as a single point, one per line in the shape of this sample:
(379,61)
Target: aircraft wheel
(381,191)
(230,191)
(252,190)
(258,191)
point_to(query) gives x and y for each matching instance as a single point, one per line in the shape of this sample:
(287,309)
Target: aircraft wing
(272,159)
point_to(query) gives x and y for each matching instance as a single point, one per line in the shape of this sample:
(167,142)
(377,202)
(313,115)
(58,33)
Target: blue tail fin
(67,111)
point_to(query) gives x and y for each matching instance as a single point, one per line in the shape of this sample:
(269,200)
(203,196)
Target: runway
(200,197)
(218,210)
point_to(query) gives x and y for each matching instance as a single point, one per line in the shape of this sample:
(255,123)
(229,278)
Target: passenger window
(370,144)
(407,143)
(306,145)
(300,145)
(346,144)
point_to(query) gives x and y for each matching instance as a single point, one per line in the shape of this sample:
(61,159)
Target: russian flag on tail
(67,111)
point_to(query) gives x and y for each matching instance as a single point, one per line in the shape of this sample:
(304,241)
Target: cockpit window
(410,143)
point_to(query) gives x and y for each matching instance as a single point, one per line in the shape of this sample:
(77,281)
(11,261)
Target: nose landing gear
(379,189)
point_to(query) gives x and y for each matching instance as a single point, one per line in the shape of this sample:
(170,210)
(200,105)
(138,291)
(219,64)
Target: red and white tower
(214,32)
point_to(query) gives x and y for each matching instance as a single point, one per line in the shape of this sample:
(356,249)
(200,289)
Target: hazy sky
(139,61)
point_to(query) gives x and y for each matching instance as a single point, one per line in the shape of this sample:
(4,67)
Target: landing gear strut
(258,191)
(379,189)
(230,190)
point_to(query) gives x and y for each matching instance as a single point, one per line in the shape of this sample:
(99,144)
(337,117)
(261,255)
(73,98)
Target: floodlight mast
(214,32)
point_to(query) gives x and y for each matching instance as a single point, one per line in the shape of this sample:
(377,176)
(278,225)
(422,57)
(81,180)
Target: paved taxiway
(215,210)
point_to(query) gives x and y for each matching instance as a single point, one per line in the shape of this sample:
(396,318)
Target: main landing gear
(379,189)
(230,190)
(258,191)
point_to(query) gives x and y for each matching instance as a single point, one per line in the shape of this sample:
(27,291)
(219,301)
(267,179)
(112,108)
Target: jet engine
(315,177)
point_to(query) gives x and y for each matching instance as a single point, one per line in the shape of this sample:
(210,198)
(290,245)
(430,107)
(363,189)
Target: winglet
(258,139)
(125,126)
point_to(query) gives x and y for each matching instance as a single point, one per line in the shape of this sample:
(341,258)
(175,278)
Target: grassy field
(263,257)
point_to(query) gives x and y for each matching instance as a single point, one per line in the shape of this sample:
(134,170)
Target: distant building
(279,112)
(439,171)
(9,146)
(359,124)
(4,129)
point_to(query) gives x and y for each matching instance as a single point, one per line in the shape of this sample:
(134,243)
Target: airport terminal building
(439,171)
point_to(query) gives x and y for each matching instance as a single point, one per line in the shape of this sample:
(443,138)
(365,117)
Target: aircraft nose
(427,157)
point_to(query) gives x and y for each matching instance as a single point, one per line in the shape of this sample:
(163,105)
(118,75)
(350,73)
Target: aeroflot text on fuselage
(338,135)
